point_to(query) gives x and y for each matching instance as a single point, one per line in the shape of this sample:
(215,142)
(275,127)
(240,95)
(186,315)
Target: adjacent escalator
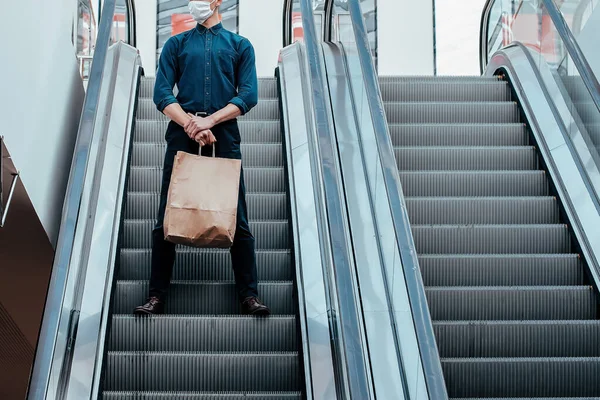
(514,313)
(203,348)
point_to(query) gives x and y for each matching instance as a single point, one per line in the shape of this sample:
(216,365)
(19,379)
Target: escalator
(202,347)
(513,310)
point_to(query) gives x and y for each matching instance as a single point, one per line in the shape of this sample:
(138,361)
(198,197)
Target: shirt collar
(214,30)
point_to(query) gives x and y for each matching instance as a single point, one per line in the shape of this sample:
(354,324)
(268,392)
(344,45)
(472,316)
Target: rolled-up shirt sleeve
(166,76)
(247,95)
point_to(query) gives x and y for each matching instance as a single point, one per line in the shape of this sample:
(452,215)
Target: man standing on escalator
(215,74)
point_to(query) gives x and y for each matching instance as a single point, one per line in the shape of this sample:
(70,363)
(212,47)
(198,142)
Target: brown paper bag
(202,201)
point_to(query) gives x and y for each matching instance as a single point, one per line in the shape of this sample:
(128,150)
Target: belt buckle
(202,114)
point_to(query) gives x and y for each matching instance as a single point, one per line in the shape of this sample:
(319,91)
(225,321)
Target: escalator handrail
(579,60)
(353,371)
(53,309)
(432,368)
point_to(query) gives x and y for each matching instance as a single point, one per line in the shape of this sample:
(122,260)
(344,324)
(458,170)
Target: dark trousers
(242,252)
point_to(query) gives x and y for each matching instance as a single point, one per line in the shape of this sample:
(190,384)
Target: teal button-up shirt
(211,68)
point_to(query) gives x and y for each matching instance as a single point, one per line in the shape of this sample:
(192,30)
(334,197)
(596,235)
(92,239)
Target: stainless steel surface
(541,103)
(88,351)
(433,376)
(54,333)
(566,36)
(373,258)
(353,368)
(306,216)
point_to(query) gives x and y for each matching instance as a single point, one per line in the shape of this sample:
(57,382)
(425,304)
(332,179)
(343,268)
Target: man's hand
(205,138)
(197,125)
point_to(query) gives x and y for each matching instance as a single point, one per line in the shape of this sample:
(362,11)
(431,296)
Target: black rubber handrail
(42,367)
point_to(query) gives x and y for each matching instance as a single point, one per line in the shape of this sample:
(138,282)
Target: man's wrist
(212,120)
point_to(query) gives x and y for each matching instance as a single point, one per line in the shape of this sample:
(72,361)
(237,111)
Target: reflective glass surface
(530,23)
(342,25)
(319,14)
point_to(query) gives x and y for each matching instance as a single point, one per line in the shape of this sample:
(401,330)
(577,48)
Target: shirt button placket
(207,71)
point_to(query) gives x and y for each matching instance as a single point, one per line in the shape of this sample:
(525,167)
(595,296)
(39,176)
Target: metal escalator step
(502,270)
(202,396)
(446,91)
(204,298)
(253,155)
(522,377)
(267,88)
(269,235)
(261,206)
(458,134)
(450,113)
(206,265)
(150,371)
(465,80)
(491,239)
(511,303)
(265,110)
(482,210)
(474,183)
(257,180)
(466,158)
(203,333)
(518,338)
(151,131)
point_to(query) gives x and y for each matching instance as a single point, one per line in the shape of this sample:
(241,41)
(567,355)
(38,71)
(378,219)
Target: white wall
(458,36)
(146,34)
(405,35)
(261,21)
(40,106)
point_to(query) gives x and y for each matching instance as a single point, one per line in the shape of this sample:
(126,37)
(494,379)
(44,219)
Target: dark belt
(202,114)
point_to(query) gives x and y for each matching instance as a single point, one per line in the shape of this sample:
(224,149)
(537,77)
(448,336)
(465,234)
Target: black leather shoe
(152,307)
(253,306)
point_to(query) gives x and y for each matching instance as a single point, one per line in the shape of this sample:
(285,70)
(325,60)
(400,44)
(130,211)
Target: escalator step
(206,265)
(482,210)
(150,131)
(261,206)
(491,239)
(204,298)
(457,134)
(409,91)
(465,80)
(202,396)
(502,270)
(267,88)
(253,155)
(257,180)
(451,113)
(153,371)
(474,183)
(189,333)
(518,338)
(522,377)
(511,303)
(465,158)
(265,110)
(268,234)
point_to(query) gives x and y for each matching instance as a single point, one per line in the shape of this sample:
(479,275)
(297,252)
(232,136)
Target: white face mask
(200,10)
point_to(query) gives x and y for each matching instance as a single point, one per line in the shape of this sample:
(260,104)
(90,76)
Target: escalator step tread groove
(510,301)
(203,347)
(202,395)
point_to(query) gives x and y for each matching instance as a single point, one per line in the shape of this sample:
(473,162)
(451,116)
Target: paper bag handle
(213,153)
